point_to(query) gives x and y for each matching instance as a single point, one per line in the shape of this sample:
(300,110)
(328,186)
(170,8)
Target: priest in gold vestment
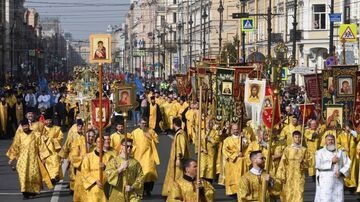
(29,151)
(4,108)
(184,188)
(124,176)
(346,141)
(154,115)
(287,131)
(90,168)
(179,151)
(53,137)
(235,161)
(293,164)
(250,186)
(312,136)
(117,136)
(145,141)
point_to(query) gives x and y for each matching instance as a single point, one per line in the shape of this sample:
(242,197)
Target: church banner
(181,84)
(95,112)
(327,91)
(345,88)
(356,116)
(254,97)
(225,94)
(313,83)
(309,112)
(268,108)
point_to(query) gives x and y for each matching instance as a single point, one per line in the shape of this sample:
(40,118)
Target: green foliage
(230,52)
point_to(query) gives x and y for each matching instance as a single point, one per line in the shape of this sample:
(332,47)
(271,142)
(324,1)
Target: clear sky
(83,17)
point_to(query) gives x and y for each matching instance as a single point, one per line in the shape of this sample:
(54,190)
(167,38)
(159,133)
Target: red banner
(95,112)
(309,112)
(239,82)
(313,87)
(356,116)
(181,84)
(268,108)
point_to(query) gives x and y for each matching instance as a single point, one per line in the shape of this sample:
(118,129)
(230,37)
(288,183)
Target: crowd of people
(232,155)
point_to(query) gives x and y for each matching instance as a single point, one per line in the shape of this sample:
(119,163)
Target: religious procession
(232,133)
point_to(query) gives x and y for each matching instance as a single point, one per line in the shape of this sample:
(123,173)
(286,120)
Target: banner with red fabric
(313,87)
(269,102)
(309,112)
(95,112)
(356,117)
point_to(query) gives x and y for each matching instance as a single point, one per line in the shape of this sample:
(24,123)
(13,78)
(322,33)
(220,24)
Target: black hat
(152,98)
(48,114)
(119,120)
(79,122)
(24,122)
(30,110)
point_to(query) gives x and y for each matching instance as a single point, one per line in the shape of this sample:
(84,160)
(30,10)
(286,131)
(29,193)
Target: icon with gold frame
(100,48)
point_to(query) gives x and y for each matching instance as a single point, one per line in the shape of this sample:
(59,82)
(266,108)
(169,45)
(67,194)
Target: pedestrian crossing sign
(348,32)
(247,24)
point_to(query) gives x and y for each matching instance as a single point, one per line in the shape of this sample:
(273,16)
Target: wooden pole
(303,123)
(101,122)
(268,160)
(199,142)
(124,114)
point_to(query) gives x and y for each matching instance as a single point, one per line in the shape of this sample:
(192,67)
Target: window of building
(174,1)
(162,20)
(319,16)
(174,17)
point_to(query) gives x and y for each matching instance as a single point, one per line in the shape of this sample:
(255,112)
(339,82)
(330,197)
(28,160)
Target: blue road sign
(335,17)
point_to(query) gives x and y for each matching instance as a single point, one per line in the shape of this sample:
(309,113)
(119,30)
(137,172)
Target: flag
(268,108)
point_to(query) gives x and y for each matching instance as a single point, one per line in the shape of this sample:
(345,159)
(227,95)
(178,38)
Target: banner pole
(101,121)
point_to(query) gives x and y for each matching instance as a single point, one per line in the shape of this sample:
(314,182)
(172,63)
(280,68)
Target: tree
(229,52)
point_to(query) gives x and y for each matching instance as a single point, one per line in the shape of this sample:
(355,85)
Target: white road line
(56,195)
(171,137)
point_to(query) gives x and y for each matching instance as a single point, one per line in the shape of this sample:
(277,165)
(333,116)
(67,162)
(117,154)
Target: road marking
(171,137)
(56,194)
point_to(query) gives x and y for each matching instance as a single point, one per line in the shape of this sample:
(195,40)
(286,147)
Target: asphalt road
(9,188)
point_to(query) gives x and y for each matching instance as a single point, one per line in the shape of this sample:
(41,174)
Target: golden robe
(250,187)
(4,117)
(182,108)
(291,172)
(19,111)
(235,166)
(53,137)
(76,156)
(220,160)
(134,177)
(28,150)
(179,150)
(115,140)
(184,190)
(35,126)
(65,151)
(145,152)
(153,115)
(170,112)
(91,173)
(287,131)
(345,141)
(209,149)
(190,123)
(312,144)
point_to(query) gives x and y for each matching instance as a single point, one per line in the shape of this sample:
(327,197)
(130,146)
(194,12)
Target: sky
(82,17)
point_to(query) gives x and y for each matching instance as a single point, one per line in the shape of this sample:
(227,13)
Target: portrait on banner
(334,113)
(345,86)
(253,92)
(100,48)
(125,97)
(227,88)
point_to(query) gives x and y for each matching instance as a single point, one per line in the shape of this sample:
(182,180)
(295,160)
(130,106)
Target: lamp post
(170,49)
(243,3)
(220,10)
(204,16)
(179,28)
(190,40)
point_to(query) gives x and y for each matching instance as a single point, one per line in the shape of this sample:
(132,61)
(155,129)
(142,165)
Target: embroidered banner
(268,108)
(95,112)
(224,93)
(254,97)
(313,87)
(356,116)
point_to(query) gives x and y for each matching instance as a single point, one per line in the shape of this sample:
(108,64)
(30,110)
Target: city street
(9,188)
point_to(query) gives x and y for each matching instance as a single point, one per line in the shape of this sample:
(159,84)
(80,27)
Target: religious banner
(241,73)
(356,116)
(181,84)
(309,112)
(224,93)
(313,84)
(345,88)
(100,48)
(334,113)
(254,97)
(95,112)
(268,108)
(327,91)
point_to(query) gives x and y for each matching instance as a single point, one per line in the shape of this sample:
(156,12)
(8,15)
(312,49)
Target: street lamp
(179,27)
(190,39)
(204,16)
(220,10)
(170,49)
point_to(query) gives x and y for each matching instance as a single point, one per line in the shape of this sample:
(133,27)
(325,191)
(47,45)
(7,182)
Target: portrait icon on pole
(334,115)
(345,86)
(100,48)
(125,97)
(226,88)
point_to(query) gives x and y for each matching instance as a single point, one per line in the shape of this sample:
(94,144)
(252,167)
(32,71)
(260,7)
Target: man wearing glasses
(125,176)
